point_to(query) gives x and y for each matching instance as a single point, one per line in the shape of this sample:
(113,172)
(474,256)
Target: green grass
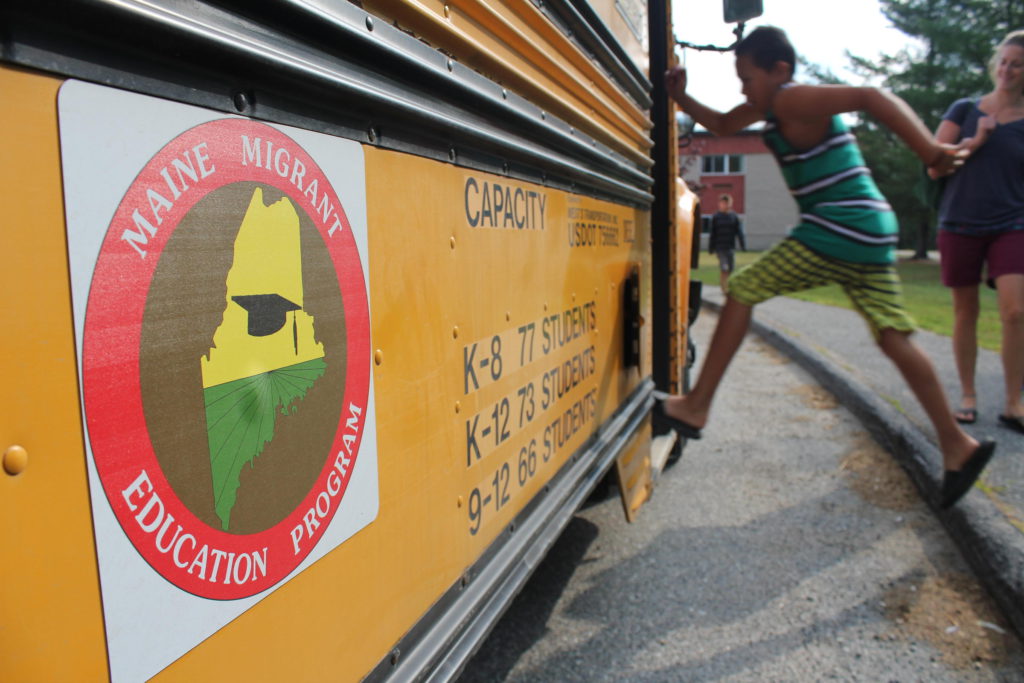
(924,295)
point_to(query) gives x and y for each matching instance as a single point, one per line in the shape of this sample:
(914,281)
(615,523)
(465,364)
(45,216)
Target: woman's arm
(947,132)
(986,124)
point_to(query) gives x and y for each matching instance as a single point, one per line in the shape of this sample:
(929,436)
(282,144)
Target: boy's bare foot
(954,456)
(669,418)
(676,407)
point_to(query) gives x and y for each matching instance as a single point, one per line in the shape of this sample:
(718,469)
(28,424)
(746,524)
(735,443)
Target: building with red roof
(742,166)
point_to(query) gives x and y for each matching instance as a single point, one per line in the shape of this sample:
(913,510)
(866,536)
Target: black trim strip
(662,258)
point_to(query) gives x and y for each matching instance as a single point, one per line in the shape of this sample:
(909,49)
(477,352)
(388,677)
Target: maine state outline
(265,356)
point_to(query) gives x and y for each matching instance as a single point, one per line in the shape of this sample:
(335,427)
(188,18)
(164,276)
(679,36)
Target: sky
(820,30)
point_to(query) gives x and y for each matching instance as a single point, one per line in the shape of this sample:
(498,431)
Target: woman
(981,220)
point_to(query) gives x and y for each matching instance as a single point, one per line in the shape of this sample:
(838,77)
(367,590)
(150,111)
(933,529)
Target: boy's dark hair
(766,45)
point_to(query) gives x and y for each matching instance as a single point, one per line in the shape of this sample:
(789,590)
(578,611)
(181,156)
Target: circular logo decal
(226,358)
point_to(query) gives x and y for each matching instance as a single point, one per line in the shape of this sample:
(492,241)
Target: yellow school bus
(323,319)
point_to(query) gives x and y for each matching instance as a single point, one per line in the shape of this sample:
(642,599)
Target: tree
(957,39)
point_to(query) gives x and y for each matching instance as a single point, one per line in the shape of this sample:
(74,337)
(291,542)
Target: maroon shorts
(962,256)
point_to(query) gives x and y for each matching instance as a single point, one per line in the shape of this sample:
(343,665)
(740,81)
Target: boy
(726,229)
(847,232)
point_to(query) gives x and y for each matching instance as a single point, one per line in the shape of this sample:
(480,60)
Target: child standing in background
(847,234)
(726,230)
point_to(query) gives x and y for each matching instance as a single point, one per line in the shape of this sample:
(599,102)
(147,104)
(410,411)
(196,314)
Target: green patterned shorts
(789,266)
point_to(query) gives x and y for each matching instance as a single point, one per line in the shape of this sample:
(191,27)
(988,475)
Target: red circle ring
(110,358)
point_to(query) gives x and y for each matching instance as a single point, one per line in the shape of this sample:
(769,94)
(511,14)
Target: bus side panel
(497,325)
(49,598)
(500,302)
(514,44)
(469,429)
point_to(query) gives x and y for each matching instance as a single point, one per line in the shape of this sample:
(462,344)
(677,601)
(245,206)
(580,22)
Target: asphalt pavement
(834,345)
(786,545)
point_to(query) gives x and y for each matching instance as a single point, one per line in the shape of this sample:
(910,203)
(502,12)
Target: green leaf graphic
(240,418)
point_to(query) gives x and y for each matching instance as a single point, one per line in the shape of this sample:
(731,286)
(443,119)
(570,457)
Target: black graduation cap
(266,312)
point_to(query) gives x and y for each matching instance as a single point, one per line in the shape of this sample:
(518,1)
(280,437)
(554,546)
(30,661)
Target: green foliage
(957,38)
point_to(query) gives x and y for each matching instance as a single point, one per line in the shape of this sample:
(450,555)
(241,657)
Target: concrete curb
(989,543)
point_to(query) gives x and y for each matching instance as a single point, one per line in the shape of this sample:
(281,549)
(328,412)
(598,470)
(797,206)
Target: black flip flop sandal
(966,416)
(1012,422)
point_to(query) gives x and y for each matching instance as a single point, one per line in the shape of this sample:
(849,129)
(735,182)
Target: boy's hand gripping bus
(323,319)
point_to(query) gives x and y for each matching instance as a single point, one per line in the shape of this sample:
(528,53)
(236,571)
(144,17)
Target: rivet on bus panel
(241,100)
(458,409)
(451,65)
(447,12)
(458,503)
(508,316)
(394,656)
(15,460)
(369,23)
(504,94)
(451,154)
(371,134)
(455,332)
(378,357)
(452,241)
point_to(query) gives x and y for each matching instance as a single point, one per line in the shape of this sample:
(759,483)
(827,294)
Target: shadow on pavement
(526,620)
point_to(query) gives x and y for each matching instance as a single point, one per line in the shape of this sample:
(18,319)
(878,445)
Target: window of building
(722,163)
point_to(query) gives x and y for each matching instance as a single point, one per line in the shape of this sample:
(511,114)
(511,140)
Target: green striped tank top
(842,212)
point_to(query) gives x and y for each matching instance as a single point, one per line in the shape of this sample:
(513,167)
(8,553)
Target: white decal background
(107,136)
